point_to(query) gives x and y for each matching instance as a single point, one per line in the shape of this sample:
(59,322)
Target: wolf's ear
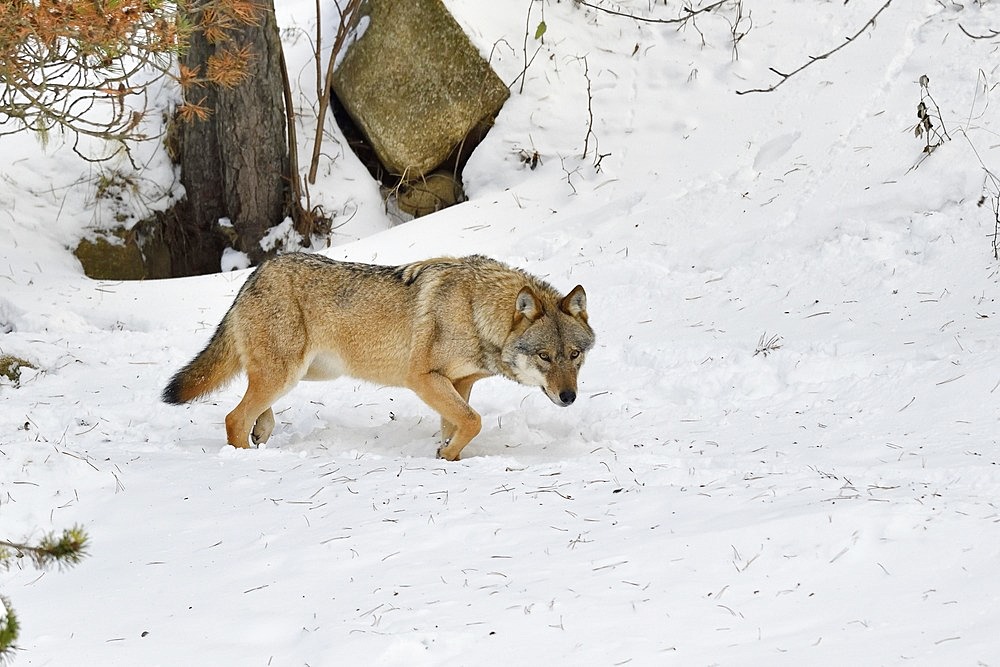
(527,305)
(575,303)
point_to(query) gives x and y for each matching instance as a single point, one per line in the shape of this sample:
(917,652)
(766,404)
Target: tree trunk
(234,164)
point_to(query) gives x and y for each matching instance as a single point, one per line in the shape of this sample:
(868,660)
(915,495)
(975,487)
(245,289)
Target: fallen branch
(814,59)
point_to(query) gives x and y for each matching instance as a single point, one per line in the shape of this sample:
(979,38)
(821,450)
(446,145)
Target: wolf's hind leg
(263,427)
(254,411)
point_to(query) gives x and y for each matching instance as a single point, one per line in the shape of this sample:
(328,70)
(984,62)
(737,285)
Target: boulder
(114,257)
(429,194)
(121,254)
(414,84)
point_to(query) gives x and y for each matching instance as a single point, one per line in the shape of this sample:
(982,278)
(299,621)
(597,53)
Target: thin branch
(991,189)
(690,13)
(736,29)
(590,111)
(990,35)
(527,62)
(925,126)
(317,59)
(294,182)
(527,28)
(346,18)
(814,59)
(996,226)
(66,549)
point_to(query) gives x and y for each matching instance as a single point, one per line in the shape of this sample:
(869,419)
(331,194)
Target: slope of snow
(829,500)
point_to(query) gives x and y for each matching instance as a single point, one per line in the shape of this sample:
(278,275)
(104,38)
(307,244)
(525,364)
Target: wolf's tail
(212,368)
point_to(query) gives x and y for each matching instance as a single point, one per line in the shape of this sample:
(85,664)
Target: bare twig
(569,174)
(590,112)
(925,126)
(991,34)
(766,345)
(317,60)
(991,190)
(689,13)
(346,19)
(737,29)
(539,32)
(527,27)
(814,59)
(293,154)
(981,80)
(996,226)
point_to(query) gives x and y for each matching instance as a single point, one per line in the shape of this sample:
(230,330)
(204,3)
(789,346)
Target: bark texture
(234,164)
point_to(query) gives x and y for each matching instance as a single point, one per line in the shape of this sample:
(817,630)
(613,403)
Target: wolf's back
(212,368)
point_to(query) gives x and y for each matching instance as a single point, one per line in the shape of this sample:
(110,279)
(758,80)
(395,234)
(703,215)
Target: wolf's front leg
(464,389)
(452,449)
(458,419)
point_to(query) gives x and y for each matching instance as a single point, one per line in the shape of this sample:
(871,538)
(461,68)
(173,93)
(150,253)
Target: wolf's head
(548,342)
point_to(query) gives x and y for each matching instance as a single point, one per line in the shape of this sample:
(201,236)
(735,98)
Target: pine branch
(9,628)
(52,550)
(63,550)
(86,68)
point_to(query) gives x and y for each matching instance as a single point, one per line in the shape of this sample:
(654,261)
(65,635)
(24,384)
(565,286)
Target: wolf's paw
(263,427)
(443,453)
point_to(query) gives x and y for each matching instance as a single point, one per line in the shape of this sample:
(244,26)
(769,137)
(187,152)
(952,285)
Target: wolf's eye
(544,356)
(574,354)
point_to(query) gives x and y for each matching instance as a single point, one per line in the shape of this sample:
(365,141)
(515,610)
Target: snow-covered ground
(827,499)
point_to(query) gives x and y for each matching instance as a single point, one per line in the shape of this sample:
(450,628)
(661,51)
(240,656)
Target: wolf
(436,326)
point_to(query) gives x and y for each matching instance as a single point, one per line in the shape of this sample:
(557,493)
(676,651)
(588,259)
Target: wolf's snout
(567,396)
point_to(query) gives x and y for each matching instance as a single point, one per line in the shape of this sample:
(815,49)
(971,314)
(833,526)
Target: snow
(710,499)
(233,260)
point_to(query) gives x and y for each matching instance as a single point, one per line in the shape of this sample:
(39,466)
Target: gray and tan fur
(436,326)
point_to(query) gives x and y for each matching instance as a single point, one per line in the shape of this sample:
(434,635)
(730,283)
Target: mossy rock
(114,258)
(121,254)
(429,194)
(415,85)
(10,368)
